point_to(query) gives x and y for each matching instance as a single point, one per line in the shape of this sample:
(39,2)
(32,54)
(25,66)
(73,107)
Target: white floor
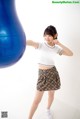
(18,107)
(59,110)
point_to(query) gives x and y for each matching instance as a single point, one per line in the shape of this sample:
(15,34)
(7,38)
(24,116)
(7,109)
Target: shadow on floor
(60,110)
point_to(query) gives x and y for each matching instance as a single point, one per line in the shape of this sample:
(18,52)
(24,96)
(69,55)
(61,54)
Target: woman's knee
(37,101)
(38,97)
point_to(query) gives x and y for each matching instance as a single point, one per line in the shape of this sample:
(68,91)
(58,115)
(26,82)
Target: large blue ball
(12,36)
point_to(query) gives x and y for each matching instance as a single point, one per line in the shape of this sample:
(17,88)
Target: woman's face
(50,38)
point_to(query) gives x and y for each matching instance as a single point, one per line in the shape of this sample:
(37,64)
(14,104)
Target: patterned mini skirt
(48,79)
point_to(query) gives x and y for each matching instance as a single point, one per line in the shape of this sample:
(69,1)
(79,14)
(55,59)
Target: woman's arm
(32,43)
(66,50)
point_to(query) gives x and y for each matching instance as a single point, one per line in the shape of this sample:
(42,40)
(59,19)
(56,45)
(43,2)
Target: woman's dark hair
(50,30)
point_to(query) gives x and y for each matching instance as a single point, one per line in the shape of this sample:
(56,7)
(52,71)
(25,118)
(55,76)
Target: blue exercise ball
(12,36)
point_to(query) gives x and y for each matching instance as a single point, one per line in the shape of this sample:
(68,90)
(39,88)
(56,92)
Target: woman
(48,79)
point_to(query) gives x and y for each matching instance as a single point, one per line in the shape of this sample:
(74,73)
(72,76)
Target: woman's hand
(56,42)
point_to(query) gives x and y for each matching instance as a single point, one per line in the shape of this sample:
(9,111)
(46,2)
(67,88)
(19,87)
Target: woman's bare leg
(50,98)
(36,102)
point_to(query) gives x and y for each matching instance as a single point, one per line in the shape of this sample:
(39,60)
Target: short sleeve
(39,46)
(59,50)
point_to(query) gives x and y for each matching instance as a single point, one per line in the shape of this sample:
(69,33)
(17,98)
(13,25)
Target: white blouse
(47,53)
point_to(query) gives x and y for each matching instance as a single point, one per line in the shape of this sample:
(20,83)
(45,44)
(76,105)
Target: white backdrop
(18,82)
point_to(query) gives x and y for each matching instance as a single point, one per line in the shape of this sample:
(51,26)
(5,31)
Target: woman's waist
(44,67)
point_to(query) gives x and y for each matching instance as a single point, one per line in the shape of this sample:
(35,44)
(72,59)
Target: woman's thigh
(51,93)
(38,95)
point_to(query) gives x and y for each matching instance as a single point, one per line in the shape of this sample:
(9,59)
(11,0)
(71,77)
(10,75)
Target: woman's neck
(50,43)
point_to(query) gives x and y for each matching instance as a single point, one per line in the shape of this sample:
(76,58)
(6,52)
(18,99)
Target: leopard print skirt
(48,80)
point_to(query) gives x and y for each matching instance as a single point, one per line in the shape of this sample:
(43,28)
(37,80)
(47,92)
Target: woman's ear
(55,36)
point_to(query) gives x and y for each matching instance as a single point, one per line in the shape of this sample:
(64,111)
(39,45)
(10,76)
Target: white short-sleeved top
(47,53)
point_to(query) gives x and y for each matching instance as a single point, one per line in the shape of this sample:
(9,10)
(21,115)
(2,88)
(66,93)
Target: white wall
(18,82)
